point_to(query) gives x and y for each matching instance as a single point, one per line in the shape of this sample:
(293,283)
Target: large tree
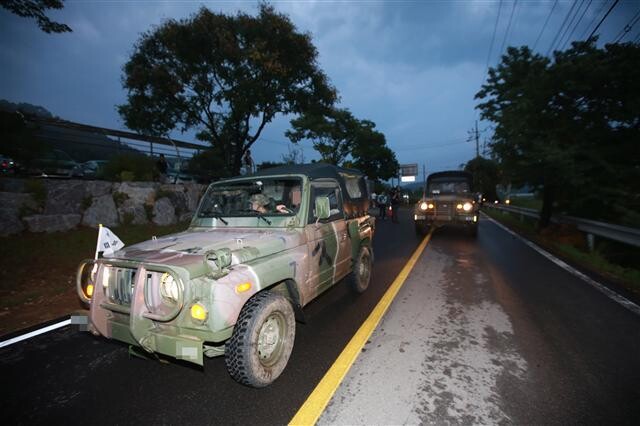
(570,126)
(333,133)
(371,155)
(36,9)
(344,140)
(225,76)
(486,173)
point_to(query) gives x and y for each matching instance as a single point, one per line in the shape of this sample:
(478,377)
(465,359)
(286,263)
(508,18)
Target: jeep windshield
(448,186)
(258,197)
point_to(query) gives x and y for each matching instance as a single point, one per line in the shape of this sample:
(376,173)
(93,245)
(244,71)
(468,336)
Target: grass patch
(597,261)
(528,203)
(34,267)
(570,246)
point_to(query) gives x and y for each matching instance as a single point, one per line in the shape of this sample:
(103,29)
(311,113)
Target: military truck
(258,249)
(448,200)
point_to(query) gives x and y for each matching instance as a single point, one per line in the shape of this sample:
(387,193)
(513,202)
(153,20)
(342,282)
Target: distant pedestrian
(247,163)
(395,203)
(374,200)
(162,167)
(382,205)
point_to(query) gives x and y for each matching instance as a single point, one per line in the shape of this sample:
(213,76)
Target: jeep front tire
(262,340)
(361,275)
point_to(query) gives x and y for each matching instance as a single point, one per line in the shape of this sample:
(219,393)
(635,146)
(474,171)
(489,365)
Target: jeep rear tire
(361,274)
(262,340)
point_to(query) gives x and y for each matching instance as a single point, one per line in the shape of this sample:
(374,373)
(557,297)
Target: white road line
(595,284)
(34,333)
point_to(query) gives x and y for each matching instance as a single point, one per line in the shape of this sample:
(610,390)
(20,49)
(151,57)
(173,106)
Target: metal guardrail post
(591,243)
(591,228)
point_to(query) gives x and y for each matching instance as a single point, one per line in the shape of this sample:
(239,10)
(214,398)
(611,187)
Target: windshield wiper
(214,215)
(263,218)
(257,214)
(220,218)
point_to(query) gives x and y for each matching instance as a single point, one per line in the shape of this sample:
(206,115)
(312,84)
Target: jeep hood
(190,246)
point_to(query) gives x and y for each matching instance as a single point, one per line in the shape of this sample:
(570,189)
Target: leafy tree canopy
(486,173)
(570,126)
(342,139)
(37,9)
(225,76)
(333,133)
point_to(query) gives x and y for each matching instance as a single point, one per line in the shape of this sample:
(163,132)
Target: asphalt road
(562,352)
(491,332)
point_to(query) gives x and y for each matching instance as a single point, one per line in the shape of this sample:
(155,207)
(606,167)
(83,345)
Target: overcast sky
(412,67)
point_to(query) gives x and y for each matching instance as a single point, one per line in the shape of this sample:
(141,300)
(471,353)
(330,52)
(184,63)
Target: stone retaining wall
(40,205)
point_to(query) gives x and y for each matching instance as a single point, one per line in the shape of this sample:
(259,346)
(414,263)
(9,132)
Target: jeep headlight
(467,206)
(169,289)
(86,279)
(423,206)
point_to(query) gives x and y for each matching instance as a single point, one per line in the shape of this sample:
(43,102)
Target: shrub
(119,198)
(37,190)
(86,202)
(148,209)
(130,167)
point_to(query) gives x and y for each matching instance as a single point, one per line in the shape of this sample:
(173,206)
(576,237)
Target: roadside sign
(408,172)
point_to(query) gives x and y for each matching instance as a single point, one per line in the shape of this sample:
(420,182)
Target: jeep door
(328,240)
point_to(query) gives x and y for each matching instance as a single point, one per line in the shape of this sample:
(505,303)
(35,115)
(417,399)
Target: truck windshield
(256,197)
(448,187)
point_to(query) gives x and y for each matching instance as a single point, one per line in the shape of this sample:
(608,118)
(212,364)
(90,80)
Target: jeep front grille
(445,208)
(120,282)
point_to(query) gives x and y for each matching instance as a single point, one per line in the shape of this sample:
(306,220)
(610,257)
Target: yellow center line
(315,404)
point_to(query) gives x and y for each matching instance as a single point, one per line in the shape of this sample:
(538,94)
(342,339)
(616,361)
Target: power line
(595,16)
(506,34)
(602,20)
(545,24)
(493,38)
(566,18)
(423,146)
(577,23)
(627,27)
(566,30)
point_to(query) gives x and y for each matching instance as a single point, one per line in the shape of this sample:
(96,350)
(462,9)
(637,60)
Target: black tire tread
(236,355)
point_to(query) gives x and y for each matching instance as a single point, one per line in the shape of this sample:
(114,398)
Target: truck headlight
(169,289)
(467,206)
(423,206)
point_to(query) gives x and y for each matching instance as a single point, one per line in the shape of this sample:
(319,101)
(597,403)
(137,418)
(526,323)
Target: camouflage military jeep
(258,249)
(448,201)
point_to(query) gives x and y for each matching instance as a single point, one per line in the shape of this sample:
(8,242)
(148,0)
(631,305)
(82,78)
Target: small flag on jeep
(108,242)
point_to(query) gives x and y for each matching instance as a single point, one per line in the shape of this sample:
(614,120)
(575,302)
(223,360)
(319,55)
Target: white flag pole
(98,241)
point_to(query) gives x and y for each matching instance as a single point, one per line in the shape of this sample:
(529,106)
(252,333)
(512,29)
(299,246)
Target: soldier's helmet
(260,199)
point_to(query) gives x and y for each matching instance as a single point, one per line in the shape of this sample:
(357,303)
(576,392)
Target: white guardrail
(592,228)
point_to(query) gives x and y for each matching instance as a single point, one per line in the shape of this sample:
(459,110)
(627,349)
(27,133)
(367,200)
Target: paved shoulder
(437,355)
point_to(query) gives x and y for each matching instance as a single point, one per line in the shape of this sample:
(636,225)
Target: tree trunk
(548,197)
(236,163)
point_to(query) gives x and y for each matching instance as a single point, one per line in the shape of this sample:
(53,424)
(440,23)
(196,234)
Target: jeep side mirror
(322,208)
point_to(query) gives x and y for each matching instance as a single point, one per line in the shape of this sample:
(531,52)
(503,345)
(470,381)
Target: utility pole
(477,141)
(474,134)
(424,180)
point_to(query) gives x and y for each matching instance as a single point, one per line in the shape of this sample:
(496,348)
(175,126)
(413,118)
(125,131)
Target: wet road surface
(491,332)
